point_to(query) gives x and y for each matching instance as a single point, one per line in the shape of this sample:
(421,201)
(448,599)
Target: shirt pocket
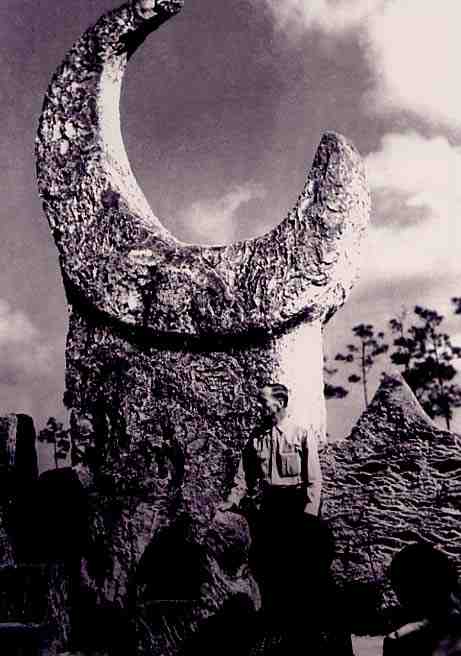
(289,461)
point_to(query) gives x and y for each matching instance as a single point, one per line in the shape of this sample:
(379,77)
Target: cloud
(394,209)
(329,16)
(427,171)
(412,48)
(31,367)
(416,228)
(15,327)
(24,353)
(216,221)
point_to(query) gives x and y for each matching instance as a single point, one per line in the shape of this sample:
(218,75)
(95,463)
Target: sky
(222,111)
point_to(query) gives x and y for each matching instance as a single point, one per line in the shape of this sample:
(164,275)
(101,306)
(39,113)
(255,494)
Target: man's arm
(238,489)
(312,473)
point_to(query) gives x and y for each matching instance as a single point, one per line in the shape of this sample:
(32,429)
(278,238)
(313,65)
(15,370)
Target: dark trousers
(291,557)
(291,551)
(278,537)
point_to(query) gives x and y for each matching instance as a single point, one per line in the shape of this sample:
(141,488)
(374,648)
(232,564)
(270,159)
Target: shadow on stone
(231,632)
(101,629)
(173,567)
(17,639)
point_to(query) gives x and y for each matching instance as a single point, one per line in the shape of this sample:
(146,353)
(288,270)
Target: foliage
(427,355)
(363,354)
(457,303)
(54,433)
(403,342)
(331,391)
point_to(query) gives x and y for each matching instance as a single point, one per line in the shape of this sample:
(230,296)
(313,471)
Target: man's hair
(423,560)
(278,391)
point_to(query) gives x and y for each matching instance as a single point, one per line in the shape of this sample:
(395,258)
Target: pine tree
(363,353)
(54,433)
(330,390)
(426,354)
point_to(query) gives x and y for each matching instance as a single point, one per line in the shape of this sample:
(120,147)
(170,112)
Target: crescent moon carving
(116,255)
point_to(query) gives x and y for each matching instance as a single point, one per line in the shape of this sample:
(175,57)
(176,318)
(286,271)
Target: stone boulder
(32,592)
(18,471)
(17,447)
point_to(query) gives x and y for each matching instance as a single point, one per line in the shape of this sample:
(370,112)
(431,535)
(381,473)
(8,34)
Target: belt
(274,489)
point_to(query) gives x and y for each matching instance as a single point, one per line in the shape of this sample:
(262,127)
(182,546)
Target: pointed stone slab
(394,481)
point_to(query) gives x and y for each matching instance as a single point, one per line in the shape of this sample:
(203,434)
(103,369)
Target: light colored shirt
(285,455)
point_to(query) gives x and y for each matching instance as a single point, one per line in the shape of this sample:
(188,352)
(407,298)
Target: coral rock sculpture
(394,481)
(168,342)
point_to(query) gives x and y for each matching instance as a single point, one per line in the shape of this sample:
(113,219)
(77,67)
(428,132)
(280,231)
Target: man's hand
(227,506)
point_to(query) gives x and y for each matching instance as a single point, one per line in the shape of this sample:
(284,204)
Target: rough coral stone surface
(168,424)
(169,342)
(8,433)
(8,429)
(116,254)
(18,470)
(394,481)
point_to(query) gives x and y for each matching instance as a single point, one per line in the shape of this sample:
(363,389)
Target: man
(277,487)
(279,471)
(425,580)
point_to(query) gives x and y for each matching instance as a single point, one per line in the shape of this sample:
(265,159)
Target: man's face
(270,404)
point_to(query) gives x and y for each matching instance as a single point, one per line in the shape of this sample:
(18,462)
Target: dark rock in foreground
(32,592)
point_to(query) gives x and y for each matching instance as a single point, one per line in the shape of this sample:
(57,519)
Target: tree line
(417,344)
